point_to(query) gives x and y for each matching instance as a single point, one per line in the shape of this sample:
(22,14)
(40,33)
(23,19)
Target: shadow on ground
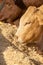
(4,43)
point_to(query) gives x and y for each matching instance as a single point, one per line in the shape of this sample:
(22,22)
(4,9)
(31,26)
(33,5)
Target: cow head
(30,25)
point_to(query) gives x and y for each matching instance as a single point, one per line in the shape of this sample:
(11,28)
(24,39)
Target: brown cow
(11,9)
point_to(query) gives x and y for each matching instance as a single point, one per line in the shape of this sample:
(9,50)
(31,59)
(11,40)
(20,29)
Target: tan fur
(30,24)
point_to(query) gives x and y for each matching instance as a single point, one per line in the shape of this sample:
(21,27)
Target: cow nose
(20,40)
(16,34)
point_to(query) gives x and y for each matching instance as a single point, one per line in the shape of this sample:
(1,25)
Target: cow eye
(27,23)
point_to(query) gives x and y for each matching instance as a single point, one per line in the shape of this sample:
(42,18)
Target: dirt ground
(12,55)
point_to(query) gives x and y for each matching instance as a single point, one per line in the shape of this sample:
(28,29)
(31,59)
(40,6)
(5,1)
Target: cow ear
(41,15)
